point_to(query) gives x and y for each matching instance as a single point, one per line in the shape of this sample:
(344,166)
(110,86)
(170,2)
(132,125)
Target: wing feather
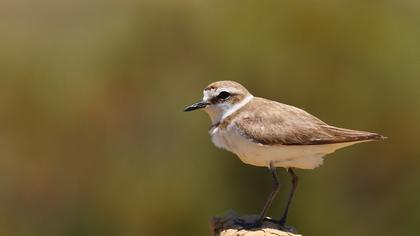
(268,122)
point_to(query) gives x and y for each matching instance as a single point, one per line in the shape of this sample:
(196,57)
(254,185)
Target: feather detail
(272,123)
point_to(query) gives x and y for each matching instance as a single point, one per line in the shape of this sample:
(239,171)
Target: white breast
(221,139)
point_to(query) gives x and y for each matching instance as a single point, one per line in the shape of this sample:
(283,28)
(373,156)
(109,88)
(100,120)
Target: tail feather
(348,135)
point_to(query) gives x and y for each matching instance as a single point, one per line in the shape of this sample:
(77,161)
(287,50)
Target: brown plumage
(270,123)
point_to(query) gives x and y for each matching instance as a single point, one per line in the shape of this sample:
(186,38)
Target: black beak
(196,106)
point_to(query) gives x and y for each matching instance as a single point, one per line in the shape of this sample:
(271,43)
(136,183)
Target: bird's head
(221,99)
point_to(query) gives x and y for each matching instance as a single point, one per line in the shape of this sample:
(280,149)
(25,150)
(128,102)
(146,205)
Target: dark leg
(274,191)
(292,192)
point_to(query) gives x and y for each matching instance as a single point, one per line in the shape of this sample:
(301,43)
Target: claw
(289,229)
(248,225)
(253,224)
(281,225)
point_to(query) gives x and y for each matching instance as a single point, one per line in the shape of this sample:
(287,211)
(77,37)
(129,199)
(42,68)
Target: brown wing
(270,123)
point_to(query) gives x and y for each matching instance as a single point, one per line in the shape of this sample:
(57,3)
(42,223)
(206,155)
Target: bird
(266,133)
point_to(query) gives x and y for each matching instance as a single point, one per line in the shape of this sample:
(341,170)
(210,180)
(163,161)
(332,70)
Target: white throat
(217,115)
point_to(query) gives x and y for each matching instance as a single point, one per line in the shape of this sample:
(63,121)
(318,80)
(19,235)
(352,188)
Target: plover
(270,134)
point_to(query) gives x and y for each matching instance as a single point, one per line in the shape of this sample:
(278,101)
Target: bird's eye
(223,95)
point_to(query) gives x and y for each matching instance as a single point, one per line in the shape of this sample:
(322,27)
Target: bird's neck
(219,113)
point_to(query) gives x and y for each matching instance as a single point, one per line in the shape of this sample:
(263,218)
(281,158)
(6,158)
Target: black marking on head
(223,95)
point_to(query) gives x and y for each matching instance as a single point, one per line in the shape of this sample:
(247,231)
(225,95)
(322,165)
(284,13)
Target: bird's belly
(302,156)
(299,156)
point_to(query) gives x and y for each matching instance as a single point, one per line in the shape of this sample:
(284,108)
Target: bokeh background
(93,140)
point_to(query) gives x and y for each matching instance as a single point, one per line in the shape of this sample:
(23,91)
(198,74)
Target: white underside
(298,156)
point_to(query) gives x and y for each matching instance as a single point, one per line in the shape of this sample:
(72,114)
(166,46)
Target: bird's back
(271,123)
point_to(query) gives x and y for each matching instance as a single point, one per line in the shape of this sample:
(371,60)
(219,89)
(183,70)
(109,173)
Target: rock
(229,225)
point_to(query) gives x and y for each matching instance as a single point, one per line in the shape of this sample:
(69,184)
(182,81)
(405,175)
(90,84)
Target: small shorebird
(266,133)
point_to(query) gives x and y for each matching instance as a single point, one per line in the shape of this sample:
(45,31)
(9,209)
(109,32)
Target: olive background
(93,140)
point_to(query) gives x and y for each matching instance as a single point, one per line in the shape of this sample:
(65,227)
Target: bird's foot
(258,223)
(248,224)
(289,229)
(281,224)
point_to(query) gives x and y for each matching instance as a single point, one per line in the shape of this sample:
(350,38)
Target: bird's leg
(275,189)
(283,219)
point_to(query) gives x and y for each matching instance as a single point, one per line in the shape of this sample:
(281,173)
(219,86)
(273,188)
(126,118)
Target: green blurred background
(93,140)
